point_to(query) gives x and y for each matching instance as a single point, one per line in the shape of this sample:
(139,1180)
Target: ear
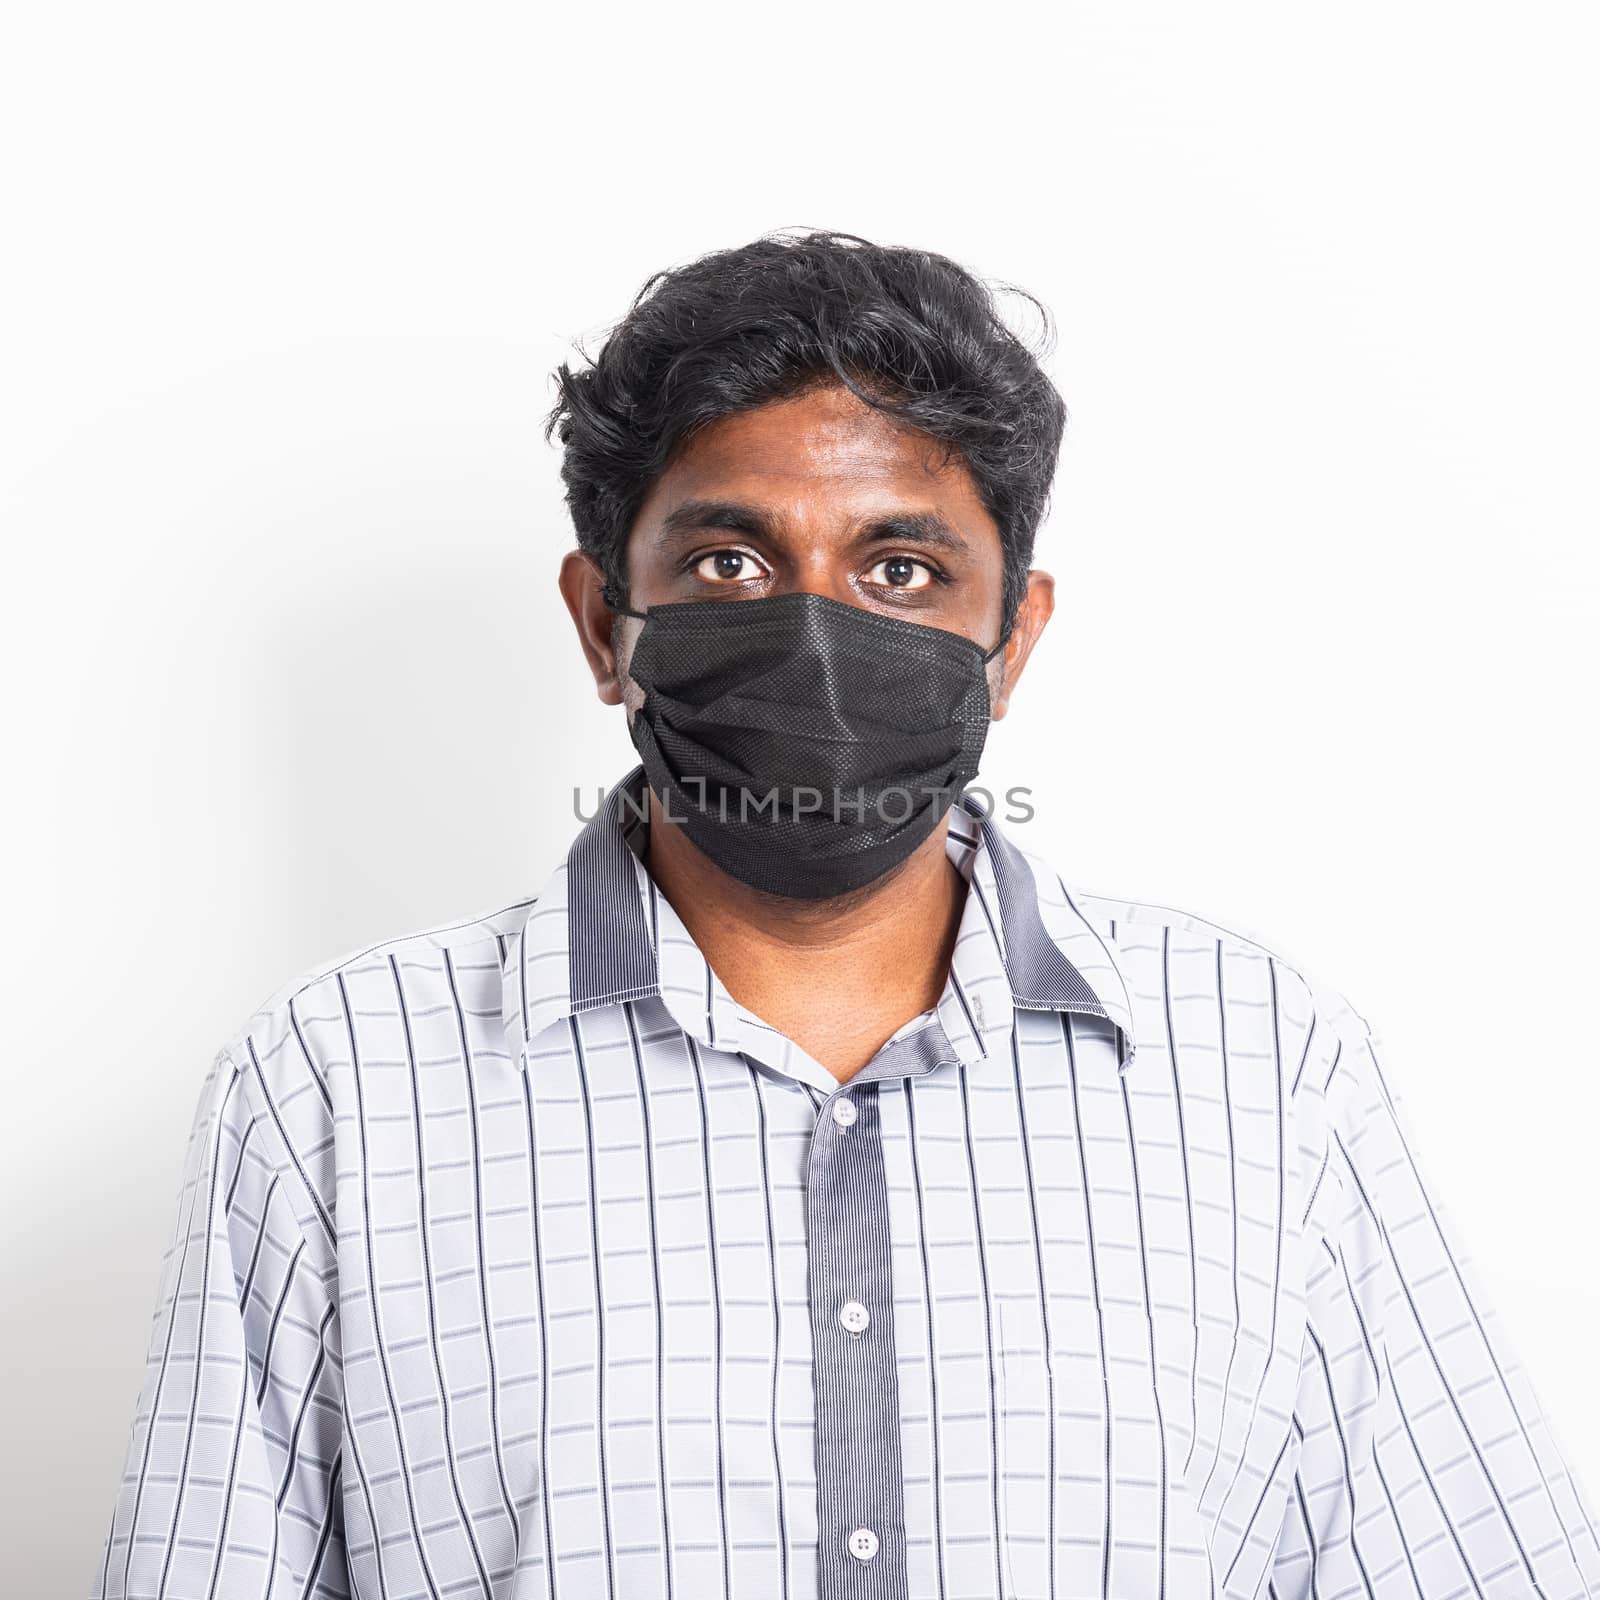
(1037,604)
(581,583)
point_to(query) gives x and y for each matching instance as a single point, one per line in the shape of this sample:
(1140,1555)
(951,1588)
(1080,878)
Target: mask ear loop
(1005,639)
(609,595)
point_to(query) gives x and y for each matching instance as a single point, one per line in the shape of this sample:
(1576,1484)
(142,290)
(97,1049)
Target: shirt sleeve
(1425,1465)
(231,1480)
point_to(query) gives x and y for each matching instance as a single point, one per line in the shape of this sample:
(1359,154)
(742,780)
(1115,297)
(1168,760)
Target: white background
(284,663)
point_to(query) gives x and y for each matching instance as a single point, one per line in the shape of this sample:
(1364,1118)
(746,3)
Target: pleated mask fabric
(807,746)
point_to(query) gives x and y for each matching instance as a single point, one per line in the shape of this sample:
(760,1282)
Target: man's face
(822,493)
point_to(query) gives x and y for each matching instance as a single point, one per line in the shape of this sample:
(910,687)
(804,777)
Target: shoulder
(351,1032)
(1235,1025)
(318,1015)
(1227,1009)
(1139,927)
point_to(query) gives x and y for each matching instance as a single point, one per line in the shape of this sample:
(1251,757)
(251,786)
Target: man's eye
(726,566)
(901,572)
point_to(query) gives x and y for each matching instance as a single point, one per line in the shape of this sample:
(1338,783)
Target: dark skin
(817,492)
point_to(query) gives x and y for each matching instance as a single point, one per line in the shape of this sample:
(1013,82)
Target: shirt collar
(600,933)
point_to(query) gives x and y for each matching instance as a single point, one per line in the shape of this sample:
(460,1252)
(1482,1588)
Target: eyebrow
(909,527)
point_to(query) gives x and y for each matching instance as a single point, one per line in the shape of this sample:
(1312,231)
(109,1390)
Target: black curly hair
(908,331)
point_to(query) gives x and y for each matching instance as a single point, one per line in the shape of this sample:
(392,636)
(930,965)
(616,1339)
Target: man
(808,1193)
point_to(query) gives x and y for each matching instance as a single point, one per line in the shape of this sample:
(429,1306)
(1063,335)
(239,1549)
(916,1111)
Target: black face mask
(805,745)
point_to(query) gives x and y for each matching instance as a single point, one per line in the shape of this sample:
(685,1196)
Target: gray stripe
(859,1473)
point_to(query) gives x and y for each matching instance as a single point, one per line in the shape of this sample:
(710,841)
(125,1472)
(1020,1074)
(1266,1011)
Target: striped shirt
(516,1257)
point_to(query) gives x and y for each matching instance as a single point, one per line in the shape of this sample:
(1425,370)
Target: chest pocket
(1030,1441)
(1166,1436)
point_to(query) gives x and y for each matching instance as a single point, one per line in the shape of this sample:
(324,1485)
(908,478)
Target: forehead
(819,450)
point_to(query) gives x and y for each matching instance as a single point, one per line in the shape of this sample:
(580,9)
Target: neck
(836,976)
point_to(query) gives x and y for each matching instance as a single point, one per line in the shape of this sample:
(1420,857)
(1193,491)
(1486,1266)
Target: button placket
(861,1508)
(860,1493)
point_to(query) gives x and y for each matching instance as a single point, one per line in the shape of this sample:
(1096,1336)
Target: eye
(901,572)
(728,566)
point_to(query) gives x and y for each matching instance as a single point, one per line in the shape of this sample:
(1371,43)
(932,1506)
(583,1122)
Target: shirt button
(863,1544)
(854,1316)
(844,1112)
